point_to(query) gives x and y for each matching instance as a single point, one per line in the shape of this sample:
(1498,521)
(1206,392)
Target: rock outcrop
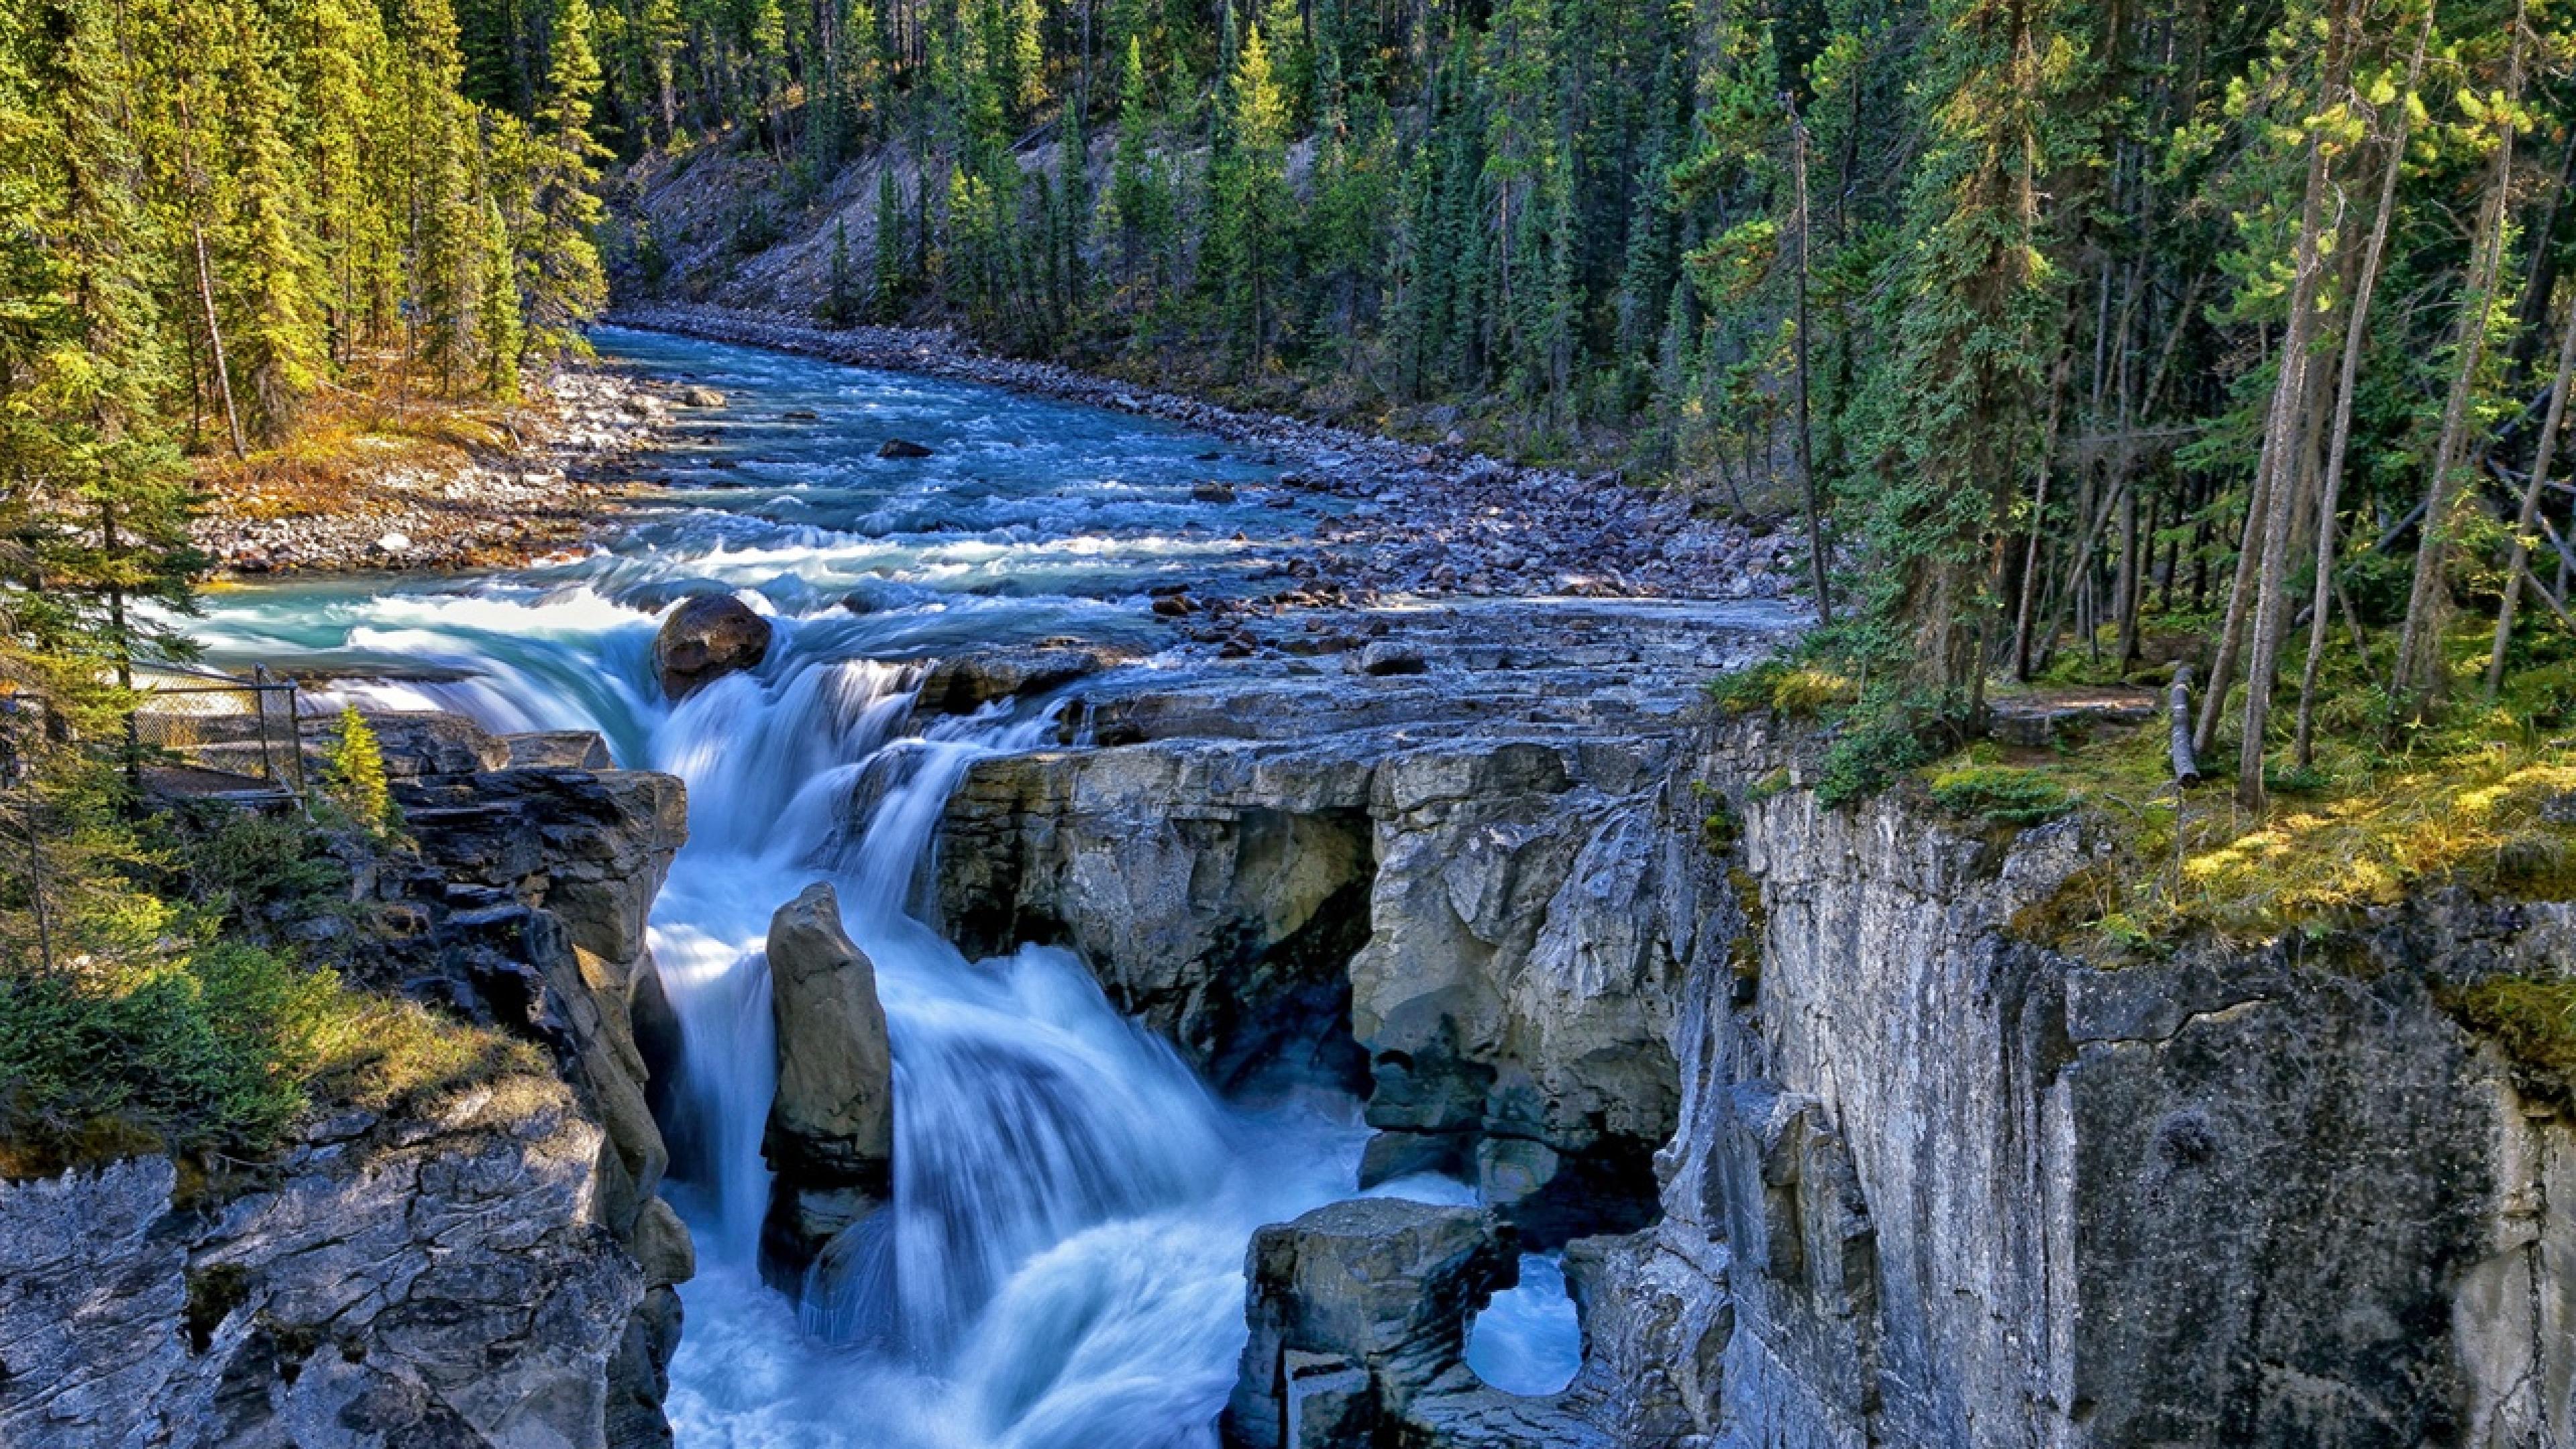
(494,1267)
(1935,1184)
(830,1137)
(705,639)
(536,888)
(1358,1316)
(436,1280)
(1443,889)
(1839,1155)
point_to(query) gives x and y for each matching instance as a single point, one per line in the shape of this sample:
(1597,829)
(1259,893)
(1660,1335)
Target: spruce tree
(561,274)
(273,267)
(1250,195)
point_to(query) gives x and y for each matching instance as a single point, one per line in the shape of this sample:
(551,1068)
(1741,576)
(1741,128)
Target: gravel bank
(447,505)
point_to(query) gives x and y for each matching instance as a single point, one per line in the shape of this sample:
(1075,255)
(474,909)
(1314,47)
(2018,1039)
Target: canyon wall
(1914,1179)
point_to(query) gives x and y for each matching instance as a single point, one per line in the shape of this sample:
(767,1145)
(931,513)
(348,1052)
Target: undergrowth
(197,1027)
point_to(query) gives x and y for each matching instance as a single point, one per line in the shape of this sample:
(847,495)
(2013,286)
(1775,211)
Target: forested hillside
(218,222)
(2057,316)
(2077,340)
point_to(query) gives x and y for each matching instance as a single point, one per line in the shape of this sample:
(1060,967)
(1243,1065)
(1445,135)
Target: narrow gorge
(1026,963)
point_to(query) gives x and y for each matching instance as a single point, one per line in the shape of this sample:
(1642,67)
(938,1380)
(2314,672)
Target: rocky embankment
(1836,1156)
(550,469)
(491,1266)
(1426,521)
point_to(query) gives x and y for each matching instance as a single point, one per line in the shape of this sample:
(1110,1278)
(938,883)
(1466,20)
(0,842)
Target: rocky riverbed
(553,467)
(1423,521)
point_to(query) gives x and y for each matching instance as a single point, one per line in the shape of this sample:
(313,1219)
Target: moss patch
(2533,1022)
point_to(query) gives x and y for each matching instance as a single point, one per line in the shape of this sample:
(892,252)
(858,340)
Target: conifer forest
(1875,697)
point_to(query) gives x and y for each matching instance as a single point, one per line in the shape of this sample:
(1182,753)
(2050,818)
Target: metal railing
(211,734)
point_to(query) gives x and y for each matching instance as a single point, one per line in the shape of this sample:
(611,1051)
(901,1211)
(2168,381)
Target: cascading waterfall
(1060,1264)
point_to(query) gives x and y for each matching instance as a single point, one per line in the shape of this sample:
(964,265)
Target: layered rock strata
(1841,1155)
(1433,887)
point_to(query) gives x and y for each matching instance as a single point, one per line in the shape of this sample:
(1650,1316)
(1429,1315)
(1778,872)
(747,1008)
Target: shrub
(206,1050)
(1868,755)
(354,777)
(2001,795)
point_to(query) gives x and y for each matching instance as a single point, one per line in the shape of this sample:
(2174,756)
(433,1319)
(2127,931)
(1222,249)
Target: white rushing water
(1061,1263)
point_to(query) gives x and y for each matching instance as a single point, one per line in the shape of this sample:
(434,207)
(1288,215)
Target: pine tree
(893,268)
(501,335)
(1971,309)
(1250,194)
(561,275)
(841,302)
(1139,203)
(281,338)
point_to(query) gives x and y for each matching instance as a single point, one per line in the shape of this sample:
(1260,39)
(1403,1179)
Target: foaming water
(1061,1261)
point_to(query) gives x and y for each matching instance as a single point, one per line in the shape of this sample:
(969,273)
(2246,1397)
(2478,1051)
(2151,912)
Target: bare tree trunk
(2356,336)
(215,342)
(2418,679)
(2240,590)
(2039,518)
(2518,560)
(2288,459)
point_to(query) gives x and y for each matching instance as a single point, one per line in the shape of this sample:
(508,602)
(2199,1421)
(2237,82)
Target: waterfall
(1060,1266)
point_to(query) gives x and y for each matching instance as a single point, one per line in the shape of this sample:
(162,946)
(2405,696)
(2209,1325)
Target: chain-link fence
(211,734)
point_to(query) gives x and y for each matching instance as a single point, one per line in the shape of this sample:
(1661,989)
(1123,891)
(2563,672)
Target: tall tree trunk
(2289,462)
(2356,337)
(2518,559)
(215,342)
(1816,574)
(2420,676)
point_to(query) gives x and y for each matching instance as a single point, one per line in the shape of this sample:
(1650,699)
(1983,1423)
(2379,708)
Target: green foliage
(205,1051)
(354,776)
(2001,794)
(1870,750)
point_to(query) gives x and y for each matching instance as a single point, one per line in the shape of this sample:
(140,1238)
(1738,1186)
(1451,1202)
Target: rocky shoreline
(570,460)
(1422,521)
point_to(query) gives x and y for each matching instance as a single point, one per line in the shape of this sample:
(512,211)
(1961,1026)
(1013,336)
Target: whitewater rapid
(1061,1263)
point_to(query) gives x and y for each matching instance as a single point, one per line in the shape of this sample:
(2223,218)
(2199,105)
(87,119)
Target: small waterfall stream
(1060,1266)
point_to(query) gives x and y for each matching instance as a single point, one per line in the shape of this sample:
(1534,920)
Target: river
(1062,1261)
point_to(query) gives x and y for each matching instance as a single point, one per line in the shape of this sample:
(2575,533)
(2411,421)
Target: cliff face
(435,1281)
(491,1268)
(1976,1192)
(1445,887)
(1913,1180)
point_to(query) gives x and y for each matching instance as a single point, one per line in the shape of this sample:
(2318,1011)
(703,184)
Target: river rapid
(1061,1267)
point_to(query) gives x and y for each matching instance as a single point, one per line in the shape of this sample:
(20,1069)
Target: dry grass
(352,440)
(380,1053)
(2465,803)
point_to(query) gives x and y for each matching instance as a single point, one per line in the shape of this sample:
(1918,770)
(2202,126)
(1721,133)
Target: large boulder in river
(705,639)
(831,1126)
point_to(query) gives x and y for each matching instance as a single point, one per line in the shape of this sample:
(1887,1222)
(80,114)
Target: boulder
(559,750)
(1358,1315)
(902,448)
(830,1138)
(705,639)
(702,397)
(968,683)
